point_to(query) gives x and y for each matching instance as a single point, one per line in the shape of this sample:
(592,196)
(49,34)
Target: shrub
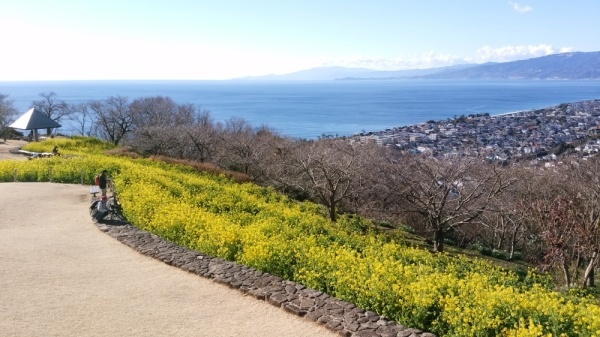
(500,254)
(517,256)
(205,167)
(124,151)
(483,250)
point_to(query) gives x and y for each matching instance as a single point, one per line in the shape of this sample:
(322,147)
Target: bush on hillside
(205,167)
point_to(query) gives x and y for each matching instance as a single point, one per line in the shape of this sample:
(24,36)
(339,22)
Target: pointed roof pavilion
(34,119)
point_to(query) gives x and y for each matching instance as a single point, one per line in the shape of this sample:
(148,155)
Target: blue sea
(314,108)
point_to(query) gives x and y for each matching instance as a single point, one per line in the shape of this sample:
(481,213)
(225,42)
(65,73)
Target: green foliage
(500,254)
(451,296)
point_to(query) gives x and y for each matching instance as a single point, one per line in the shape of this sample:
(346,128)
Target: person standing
(102,182)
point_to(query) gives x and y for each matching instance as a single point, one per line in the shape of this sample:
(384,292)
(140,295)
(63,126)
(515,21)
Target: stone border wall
(337,315)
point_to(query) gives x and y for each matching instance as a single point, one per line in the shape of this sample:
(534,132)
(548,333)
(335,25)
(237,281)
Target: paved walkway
(61,276)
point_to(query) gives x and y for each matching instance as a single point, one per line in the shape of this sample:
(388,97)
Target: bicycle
(107,210)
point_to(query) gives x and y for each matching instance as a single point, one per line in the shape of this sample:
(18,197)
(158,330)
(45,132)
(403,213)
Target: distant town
(542,135)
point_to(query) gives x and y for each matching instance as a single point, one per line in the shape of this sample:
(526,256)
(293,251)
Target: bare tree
(83,117)
(587,176)
(114,118)
(557,221)
(505,225)
(202,138)
(159,124)
(446,194)
(329,171)
(51,106)
(238,150)
(7,113)
(161,111)
(564,221)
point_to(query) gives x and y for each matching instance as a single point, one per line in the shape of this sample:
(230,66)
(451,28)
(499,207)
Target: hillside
(571,66)
(349,259)
(568,66)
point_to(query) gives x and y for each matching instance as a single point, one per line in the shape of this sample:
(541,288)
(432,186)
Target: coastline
(539,135)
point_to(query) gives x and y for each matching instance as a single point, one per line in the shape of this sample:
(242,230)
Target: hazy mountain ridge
(403,74)
(568,66)
(571,66)
(345,73)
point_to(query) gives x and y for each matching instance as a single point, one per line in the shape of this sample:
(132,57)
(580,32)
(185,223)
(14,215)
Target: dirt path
(61,276)
(11,145)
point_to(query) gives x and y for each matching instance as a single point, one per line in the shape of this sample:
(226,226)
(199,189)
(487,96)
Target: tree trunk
(577,263)
(501,235)
(512,245)
(567,276)
(438,241)
(588,276)
(332,206)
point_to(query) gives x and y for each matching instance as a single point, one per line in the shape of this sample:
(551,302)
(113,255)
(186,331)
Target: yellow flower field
(265,230)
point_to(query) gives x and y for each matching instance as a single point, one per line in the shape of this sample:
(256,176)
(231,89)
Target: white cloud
(426,60)
(566,50)
(432,59)
(513,53)
(519,8)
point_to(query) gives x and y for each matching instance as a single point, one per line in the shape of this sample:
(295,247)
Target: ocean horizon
(310,109)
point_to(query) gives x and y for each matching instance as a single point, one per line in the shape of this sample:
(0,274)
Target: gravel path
(61,276)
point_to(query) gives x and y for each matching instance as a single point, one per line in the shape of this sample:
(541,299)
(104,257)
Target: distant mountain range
(569,66)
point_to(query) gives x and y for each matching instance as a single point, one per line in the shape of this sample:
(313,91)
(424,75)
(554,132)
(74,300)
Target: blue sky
(187,39)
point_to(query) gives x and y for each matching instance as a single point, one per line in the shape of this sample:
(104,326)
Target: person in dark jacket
(102,183)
